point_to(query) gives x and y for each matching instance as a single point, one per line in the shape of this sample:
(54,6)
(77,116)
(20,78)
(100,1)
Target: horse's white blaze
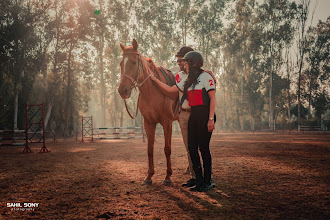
(125,61)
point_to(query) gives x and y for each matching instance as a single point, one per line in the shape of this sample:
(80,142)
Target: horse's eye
(134,62)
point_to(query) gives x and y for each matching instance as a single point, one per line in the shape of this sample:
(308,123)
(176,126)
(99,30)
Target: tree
(276,18)
(207,20)
(317,57)
(302,15)
(321,104)
(183,16)
(20,23)
(242,47)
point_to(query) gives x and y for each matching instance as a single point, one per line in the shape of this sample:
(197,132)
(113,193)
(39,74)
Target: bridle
(135,81)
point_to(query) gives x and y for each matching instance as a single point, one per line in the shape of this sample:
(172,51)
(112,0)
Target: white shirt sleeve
(208,82)
(180,85)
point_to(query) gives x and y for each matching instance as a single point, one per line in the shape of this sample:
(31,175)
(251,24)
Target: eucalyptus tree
(6,97)
(242,43)
(301,17)
(118,29)
(100,32)
(276,20)
(100,22)
(231,77)
(76,28)
(206,22)
(156,30)
(155,27)
(56,58)
(249,60)
(21,51)
(289,69)
(183,16)
(230,80)
(317,72)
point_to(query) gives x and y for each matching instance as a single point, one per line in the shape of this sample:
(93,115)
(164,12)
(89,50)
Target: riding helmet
(195,57)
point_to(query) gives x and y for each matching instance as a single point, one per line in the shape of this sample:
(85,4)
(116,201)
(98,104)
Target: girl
(199,89)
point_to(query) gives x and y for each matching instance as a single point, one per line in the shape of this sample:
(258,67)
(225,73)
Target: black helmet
(183,51)
(195,57)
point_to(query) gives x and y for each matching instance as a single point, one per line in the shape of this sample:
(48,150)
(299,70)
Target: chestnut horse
(154,106)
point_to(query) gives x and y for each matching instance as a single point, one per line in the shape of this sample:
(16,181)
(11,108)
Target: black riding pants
(199,139)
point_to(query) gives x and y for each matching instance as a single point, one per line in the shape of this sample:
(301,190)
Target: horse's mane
(147,62)
(169,79)
(152,66)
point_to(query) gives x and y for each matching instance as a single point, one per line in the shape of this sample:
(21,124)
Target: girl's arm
(170,91)
(210,124)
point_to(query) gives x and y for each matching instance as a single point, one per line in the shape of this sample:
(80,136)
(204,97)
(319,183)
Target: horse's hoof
(167,182)
(147,182)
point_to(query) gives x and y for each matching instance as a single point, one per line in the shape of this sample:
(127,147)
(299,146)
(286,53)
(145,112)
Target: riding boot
(190,183)
(207,181)
(199,181)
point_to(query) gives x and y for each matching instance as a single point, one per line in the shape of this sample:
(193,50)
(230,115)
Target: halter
(135,81)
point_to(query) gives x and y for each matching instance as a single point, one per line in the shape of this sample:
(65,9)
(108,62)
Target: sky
(322,10)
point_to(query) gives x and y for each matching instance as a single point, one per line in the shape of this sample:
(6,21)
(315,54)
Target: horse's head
(130,67)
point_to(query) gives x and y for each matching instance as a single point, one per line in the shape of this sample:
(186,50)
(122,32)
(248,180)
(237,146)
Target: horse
(154,105)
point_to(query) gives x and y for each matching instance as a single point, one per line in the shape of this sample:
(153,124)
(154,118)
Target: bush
(326,123)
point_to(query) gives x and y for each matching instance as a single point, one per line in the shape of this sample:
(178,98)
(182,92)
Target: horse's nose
(124,92)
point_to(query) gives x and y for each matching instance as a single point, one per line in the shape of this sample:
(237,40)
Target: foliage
(303,111)
(65,55)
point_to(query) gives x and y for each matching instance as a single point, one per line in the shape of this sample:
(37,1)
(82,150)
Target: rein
(137,109)
(135,82)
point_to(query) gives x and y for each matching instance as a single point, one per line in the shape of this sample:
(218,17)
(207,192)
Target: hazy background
(266,55)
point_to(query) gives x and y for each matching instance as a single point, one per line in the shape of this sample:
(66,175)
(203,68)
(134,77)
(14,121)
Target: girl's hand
(210,125)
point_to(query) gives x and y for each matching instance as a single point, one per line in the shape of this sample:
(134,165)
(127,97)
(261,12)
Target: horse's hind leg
(167,149)
(150,130)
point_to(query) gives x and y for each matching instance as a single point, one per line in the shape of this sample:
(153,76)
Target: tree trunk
(55,78)
(238,118)
(271,99)
(299,82)
(68,94)
(309,97)
(43,67)
(271,107)
(224,109)
(116,115)
(101,70)
(252,122)
(288,82)
(49,111)
(121,118)
(301,46)
(15,109)
(184,30)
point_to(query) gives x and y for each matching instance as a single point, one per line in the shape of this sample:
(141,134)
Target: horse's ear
(135,44)
(122,47)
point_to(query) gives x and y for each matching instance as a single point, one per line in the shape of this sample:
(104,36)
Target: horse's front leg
(167,149)
(150,130)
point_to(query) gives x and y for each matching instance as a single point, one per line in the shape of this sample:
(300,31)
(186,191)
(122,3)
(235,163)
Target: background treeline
(65,53)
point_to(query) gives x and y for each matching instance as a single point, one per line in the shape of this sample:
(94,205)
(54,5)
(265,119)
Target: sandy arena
(258,176)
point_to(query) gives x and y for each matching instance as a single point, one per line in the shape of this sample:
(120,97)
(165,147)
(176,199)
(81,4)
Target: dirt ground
(258,176)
